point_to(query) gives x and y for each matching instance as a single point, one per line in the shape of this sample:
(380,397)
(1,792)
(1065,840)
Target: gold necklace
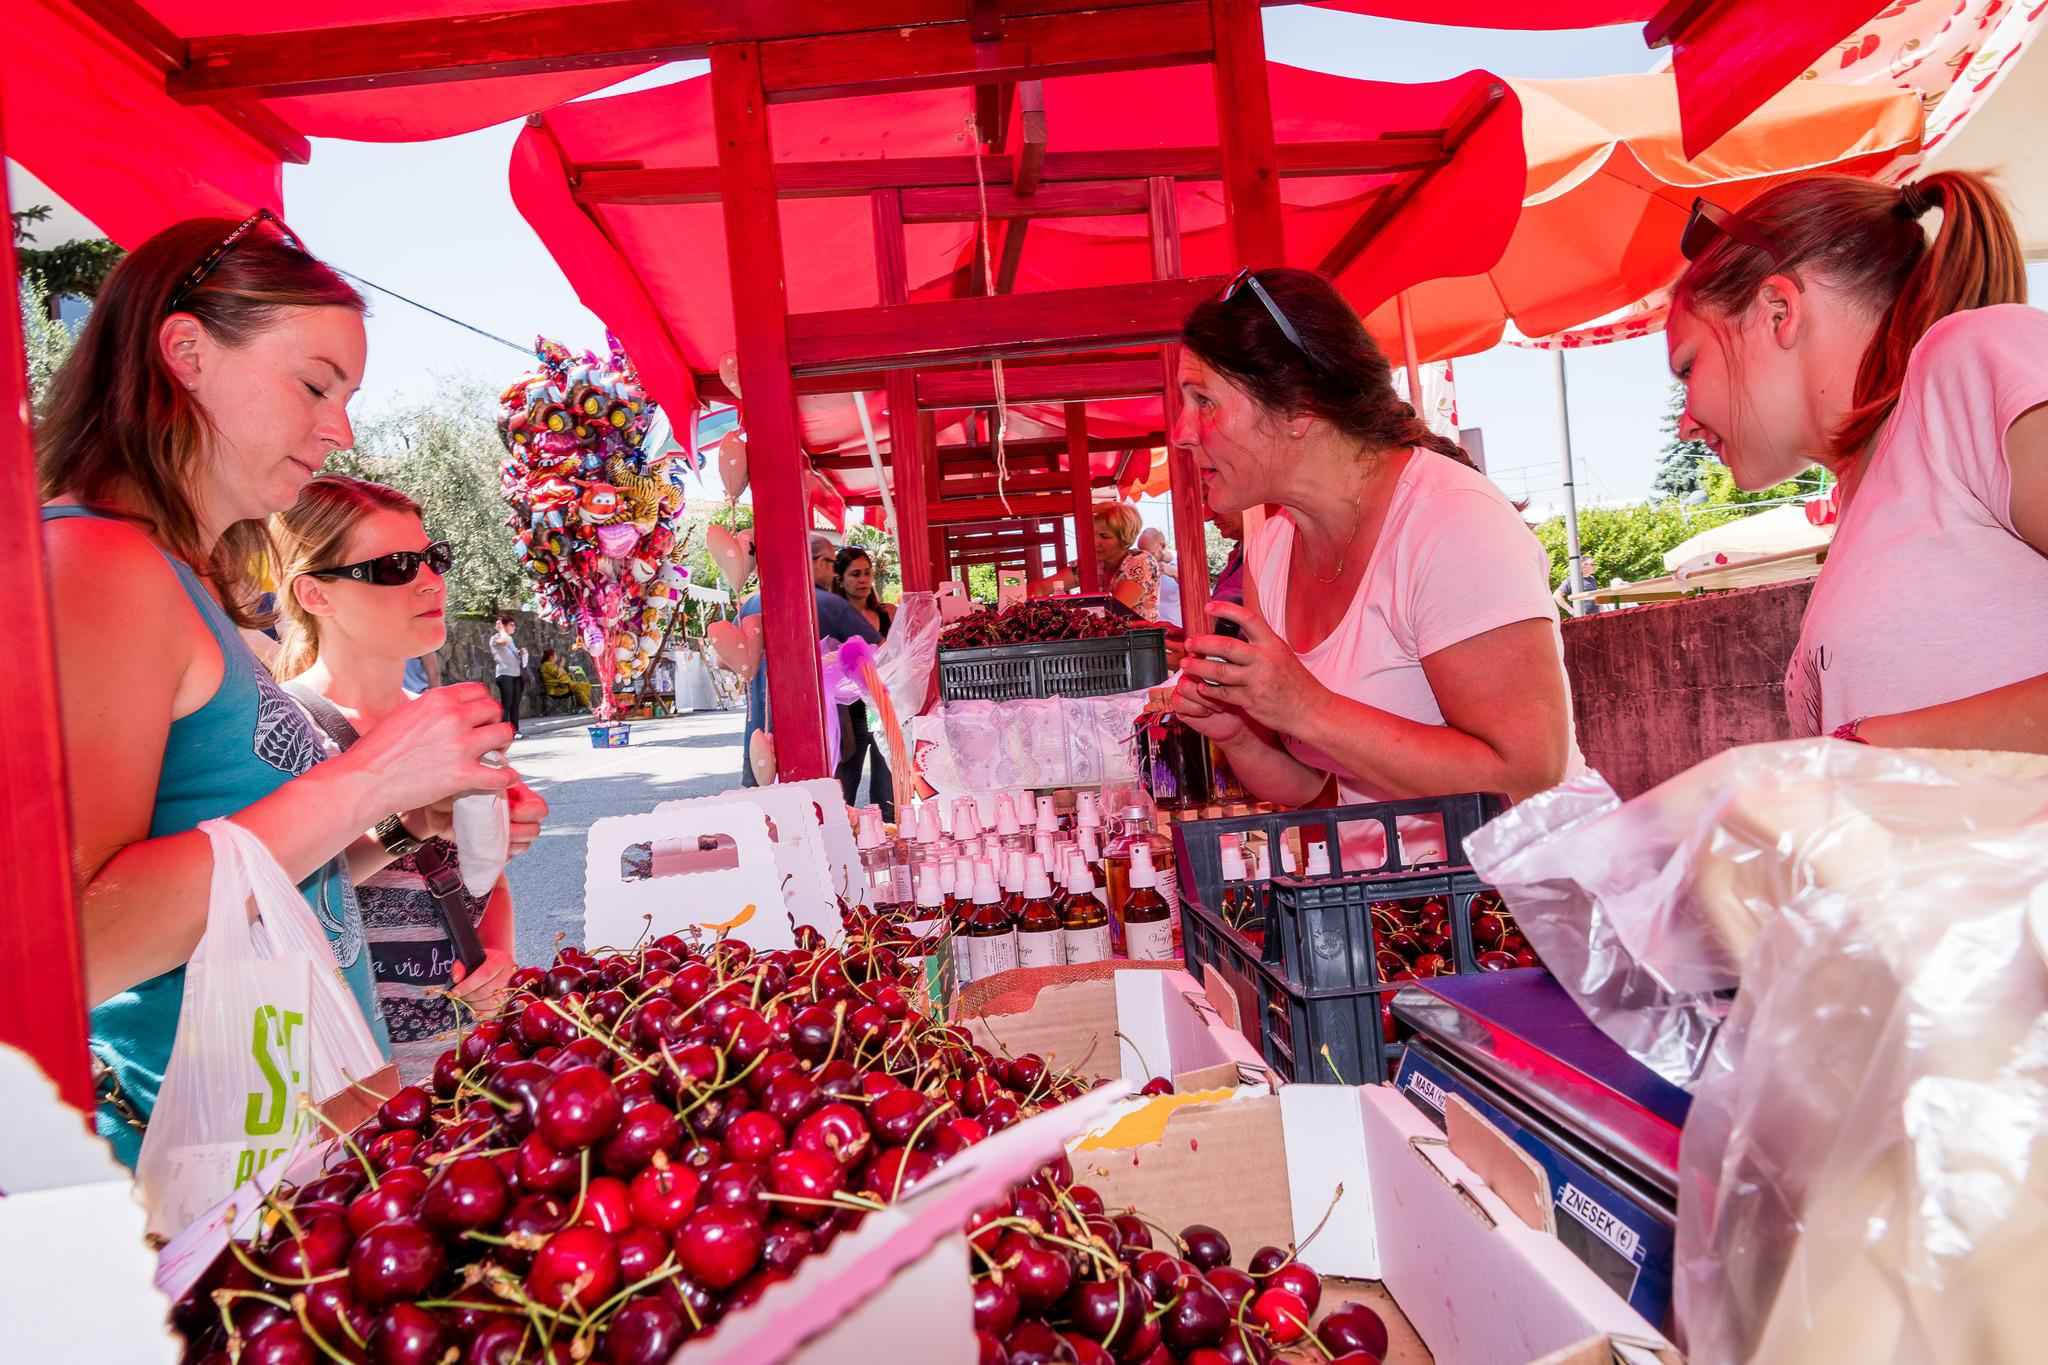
(1357,515)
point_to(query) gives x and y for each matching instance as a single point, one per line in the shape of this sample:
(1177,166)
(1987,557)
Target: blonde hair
(1123,519)
(311,535)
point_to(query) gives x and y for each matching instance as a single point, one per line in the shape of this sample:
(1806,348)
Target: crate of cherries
(635,1144)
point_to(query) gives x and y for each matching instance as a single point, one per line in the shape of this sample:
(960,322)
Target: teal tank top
(246,742)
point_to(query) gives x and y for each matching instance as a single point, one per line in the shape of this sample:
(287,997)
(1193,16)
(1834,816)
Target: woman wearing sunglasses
(1823,324)
(209,385)
(1397,636)
(362,592)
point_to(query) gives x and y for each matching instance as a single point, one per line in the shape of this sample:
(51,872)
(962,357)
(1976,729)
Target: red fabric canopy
(1743,53)
(657,273)
(89,116)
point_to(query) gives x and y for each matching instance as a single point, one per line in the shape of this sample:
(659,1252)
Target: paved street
(691,755)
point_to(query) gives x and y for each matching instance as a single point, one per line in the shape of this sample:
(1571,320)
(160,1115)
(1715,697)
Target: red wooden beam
(565,37)
(1244,121)
(1080,486)
(625,185)
(1381,207)
(42,970)
(1023,182)
(1040,383)
(945,331)
(906,461)
(753,234)
(1190,509)
(1057,199)
(983,509)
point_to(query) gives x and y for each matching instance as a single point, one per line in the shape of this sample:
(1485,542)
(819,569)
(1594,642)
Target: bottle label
(995,953)
(1046,948)
(1088,945)
(1149,941)
(963,968)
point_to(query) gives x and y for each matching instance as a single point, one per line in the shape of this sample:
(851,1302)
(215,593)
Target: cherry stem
(312,1332)
(346,1140)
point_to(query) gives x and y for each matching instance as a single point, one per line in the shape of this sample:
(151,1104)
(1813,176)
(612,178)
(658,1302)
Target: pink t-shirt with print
(1928,593)
(1454,559)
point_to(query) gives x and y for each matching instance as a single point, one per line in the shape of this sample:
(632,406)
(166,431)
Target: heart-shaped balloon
(738,649)
(729,553)
(732,464)
(619,539)
(729,372)
(761,757)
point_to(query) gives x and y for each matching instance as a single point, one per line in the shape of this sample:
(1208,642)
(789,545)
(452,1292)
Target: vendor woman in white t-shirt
(1398,634)
(1822,324)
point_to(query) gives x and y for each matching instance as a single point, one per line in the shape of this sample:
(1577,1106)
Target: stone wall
(1658,688)
(466,657)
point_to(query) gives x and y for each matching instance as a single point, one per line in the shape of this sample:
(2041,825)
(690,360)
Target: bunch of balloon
(595,508)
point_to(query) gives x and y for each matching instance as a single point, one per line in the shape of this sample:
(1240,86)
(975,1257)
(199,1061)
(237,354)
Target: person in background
(1589,576)
(1152,541)
(210,383)
(1824,323)
(837,620)
(422,673)
(853,578)
(362,592)
(1127,573)
(556,681)
(508,662)
(1404,643)
(1229,584)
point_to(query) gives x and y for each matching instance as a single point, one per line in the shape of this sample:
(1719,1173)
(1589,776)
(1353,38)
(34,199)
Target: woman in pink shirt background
(1824,325)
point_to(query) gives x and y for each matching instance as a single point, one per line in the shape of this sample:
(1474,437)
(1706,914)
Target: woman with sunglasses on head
(1397,636)
(362,592)
(210,383)
(1823,324)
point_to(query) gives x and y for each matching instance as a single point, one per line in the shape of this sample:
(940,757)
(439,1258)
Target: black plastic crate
(1310,988)
(1058,668)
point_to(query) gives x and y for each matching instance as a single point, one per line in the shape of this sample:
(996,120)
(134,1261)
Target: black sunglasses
(212,259)
(1709,222)
(396,569)
(1245,279)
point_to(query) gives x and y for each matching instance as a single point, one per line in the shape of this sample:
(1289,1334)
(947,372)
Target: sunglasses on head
(212,259)
(394,570)
(1245,279)
(1709,222)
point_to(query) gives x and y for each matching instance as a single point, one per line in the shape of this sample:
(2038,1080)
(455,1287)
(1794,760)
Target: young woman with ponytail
(210,384)
(1397,632)
(360,590)
(1825,324)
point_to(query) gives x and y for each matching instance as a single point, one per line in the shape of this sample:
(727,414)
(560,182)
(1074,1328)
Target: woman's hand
(528,809)
(485,986)
(431,749)
(1204,715)
(1257,676)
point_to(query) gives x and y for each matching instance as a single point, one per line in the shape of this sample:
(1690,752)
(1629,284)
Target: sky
(435,222)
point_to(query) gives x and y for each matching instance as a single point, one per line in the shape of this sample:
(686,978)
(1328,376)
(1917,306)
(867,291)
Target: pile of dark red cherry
(635,1144)
(1033,622)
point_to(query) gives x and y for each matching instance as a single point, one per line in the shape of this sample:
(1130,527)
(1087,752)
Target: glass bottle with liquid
(1040,942)
(991,938)
(1008,831)
(1231,904)
(1148,921)
(958,884)
(1084,921)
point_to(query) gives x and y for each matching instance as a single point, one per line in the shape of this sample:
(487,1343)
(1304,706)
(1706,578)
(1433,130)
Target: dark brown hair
(845,559)
(123,435)
(1342,376)
(1865,238)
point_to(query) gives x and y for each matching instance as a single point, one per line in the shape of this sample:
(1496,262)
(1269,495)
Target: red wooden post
(1244,130)
(1190,509)
(760,306)
(906,455)
(1086,567)
(42,1000)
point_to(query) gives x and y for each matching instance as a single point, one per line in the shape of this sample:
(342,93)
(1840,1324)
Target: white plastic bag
(1864,1171)
(268,1026)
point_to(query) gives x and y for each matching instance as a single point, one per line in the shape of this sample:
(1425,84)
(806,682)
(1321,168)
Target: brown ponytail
(1338,373)
(1866,238)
